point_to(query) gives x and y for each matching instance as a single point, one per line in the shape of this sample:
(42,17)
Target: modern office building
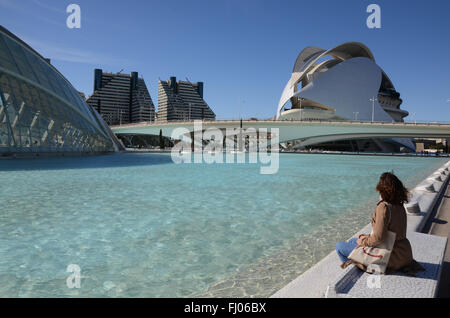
(121,98)
(182,100)
(343,83)
(40,111)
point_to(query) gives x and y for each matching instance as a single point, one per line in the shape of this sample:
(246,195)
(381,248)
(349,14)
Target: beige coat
(402,253)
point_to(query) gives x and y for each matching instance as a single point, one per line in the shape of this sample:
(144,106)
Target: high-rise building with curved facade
(40,111)
(182,100)
(121,98)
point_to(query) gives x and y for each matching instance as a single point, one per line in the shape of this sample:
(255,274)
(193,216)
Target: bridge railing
(406,123)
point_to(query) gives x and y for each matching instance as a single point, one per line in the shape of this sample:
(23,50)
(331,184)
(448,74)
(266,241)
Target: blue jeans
(343,249)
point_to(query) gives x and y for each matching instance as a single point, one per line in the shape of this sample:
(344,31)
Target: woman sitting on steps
(392,193)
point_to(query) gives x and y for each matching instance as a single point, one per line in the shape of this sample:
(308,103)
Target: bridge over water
(308,132)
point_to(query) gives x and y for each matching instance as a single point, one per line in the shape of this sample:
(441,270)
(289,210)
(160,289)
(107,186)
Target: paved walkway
(440,226)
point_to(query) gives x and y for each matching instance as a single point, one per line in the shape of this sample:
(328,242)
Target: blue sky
(243,50)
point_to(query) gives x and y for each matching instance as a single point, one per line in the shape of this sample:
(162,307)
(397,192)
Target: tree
(161,140)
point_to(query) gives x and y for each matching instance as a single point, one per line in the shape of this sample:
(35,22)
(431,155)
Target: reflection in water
(85,162)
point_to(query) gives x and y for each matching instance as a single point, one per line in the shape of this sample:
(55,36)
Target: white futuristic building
(343,83)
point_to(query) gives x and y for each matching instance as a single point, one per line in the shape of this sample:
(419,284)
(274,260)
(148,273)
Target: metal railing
(407,123)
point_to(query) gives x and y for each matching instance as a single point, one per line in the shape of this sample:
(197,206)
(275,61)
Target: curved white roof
(305,55)
(345,82)
(307,59)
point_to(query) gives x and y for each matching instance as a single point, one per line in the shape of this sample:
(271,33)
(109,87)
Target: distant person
(392,194)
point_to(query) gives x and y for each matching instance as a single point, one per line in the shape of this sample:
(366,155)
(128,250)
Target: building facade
(343,83)
(40,111)
(182,100)
(121,98)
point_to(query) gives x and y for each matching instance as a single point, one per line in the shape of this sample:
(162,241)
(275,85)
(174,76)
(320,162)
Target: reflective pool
(138,225)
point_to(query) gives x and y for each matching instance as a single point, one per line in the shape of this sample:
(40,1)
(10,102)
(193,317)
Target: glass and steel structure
(40,111)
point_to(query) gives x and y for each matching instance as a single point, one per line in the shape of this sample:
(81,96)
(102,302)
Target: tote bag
(375,259)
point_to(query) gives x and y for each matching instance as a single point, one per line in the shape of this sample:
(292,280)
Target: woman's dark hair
(391,189)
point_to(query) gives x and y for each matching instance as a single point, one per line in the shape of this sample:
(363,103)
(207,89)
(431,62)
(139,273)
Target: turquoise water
(140,226)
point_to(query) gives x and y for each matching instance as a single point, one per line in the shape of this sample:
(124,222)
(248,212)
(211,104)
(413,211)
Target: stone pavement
(440,226)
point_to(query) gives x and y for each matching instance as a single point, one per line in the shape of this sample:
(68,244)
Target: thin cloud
(74,55)
(14,5)
(10,5)
(62,12)
(45,6)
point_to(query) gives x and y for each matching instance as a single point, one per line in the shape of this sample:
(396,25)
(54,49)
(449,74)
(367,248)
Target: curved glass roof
(19,58)
(30,84)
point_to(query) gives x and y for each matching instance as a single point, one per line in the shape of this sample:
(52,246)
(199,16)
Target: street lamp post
(301,110)
(446,140)
(190,104)
(240,101)
(239,107)
(356,115)
(373,99)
